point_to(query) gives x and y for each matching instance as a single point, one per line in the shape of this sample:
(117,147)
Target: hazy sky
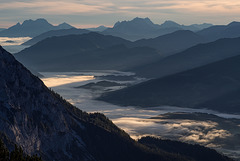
(86,13)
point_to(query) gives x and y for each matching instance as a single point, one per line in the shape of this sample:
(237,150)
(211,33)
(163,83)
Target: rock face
(27,109)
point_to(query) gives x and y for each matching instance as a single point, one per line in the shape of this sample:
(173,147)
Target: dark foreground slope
(196,152)
(41,122)
(215,86)
(16,154)
(193,57)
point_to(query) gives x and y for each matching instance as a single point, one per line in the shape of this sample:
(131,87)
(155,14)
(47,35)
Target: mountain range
(31,28)
(232,30)
(42,122)
(87,51)
(140,28)
(61,32)
(172,43)
(90,51)
(97,29)
(192,57)
(214,86)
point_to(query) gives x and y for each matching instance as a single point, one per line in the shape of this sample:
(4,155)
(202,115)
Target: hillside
(173,42)
(193,57)
(232,30)
(90,51)
(214,86)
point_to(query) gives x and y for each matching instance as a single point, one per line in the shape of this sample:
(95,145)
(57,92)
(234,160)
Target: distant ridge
(91,51)
(140,28)
(215,86)
(172,43)
(192,57)
(61,32)
(32,28)
(232,30)
(97,29)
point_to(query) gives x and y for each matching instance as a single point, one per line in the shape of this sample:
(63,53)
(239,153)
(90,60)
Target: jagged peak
(38,21)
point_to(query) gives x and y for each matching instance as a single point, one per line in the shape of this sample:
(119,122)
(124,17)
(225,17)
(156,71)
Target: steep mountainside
(215,86)
(32,28)
(196,56)
(62,32)
(213,33)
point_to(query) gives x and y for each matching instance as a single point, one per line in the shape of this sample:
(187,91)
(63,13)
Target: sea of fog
(133,120)
(13,44)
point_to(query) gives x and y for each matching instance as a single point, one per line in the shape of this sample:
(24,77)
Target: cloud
(55,7)
(107,6)
(107,12)
(59,80)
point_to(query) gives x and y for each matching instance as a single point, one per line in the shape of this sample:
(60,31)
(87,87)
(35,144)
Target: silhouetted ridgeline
(140,28)
(193,57)
(194,152)
(62,32)
(32,28)
(90,51)
(215,86)
(232,30)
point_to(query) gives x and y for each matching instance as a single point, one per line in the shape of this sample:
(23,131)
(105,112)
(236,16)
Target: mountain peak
(146,20)
(234,23)
(169,23)
(37,21)
(64,25)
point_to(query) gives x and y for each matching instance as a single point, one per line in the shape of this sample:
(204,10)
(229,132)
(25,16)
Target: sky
(91,13)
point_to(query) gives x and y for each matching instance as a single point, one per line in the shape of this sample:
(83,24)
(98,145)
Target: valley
(134,91)
(177,123)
